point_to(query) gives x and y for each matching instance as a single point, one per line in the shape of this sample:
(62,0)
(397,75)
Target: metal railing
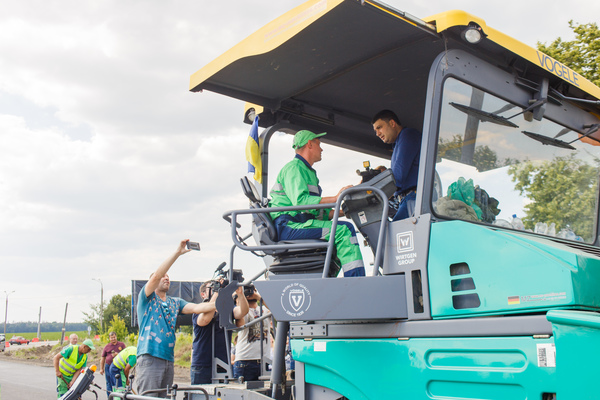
(232,217)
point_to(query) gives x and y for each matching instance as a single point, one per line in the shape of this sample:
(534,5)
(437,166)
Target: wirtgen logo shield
(405,242)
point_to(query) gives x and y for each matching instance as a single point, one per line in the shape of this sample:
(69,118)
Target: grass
(47,335)
(183,347)
(183,350)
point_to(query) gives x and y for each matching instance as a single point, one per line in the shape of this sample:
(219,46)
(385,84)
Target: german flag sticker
(512,300)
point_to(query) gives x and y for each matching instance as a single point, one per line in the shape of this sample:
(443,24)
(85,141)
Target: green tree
(484,158)
(118,305)
(118,325)
(121,306)
(31,326)
(563,191)
(582,54)
(93,317)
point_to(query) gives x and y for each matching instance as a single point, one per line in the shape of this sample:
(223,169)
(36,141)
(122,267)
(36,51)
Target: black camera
(368,173)
(249,290)
(221,280)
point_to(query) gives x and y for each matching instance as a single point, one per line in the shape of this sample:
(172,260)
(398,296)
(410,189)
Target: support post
(278,371)
(6,310)
(101,304)
(62,335)
(39,324)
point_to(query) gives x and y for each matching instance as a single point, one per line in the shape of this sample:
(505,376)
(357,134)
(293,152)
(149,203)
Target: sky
(107,160)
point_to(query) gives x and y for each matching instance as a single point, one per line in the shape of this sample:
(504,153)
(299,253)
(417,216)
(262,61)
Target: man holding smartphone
(157,316)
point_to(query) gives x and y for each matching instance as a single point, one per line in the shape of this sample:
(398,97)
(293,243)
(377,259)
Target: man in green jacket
(68,364)
(297,184)
(121,365)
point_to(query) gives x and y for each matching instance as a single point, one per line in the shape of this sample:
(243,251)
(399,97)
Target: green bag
(464,191)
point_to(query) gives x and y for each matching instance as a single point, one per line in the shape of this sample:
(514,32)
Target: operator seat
(309,260)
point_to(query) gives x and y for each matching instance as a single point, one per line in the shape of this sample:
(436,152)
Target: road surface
(28,381)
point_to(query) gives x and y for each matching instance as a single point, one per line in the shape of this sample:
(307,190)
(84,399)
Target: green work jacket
(123,358)
(68,366)
(297,185)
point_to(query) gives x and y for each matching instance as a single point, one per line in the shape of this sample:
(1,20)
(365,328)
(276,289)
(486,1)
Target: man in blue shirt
(157,316)
(406,143)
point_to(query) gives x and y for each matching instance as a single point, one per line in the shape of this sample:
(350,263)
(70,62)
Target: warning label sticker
(362,217)
(546,355)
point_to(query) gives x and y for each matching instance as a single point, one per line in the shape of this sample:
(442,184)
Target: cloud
(107,160)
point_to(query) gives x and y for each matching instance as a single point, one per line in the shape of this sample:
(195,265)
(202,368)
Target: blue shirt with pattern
(157,319)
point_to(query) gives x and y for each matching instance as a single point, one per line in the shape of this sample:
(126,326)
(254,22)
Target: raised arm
(198,308)
(205,318)
(154,280)
(242,308)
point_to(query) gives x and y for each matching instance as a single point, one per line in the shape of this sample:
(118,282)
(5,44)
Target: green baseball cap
(89,344)
(302,137)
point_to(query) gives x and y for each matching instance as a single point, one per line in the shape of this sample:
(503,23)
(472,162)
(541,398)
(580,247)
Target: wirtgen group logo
(295,299)
(405,242)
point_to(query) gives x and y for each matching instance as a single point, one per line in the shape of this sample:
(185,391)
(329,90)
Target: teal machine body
(490,290)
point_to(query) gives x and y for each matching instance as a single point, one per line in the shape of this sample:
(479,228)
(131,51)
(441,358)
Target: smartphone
(193,245)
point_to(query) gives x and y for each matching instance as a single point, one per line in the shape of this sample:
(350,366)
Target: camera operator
(248,348)
(205,325)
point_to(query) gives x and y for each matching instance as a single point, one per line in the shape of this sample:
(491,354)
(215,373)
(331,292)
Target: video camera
(220,280)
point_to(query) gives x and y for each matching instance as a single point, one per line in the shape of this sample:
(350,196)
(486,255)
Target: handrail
(255,277)
(378,254)
(170,393)
(248,236)
(231,217)
(234,213)
(253,322)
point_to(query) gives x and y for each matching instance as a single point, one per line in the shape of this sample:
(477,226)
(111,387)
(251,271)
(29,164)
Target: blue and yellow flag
(253,152)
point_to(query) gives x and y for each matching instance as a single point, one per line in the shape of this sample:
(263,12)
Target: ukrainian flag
(253,152)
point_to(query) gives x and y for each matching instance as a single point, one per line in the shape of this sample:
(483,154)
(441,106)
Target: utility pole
(6,311)
(101,302)
(39,324)
(62,336)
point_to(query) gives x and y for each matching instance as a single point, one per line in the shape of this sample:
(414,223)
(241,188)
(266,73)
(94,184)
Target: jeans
(115,376)
(407,207)
(109,386)
(200,375)
(249,369)
(153,373)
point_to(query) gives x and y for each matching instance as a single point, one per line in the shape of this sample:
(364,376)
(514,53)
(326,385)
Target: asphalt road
(27,381)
